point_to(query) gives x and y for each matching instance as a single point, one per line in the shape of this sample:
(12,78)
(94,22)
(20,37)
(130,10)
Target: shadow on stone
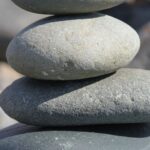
(60,18)
(47,90)
(122,130)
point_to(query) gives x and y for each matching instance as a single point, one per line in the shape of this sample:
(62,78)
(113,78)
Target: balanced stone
(73,47)
(65,6)
(116,130)
(122,97)
(77,140)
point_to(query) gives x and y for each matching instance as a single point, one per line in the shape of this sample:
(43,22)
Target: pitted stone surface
(122,97)
(73,47)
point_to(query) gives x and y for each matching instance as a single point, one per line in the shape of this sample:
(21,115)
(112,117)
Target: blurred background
(13,19)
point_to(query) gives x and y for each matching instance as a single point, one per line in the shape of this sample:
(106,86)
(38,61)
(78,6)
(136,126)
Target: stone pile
(73,60)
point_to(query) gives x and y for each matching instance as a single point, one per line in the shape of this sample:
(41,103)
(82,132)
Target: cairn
(71,61)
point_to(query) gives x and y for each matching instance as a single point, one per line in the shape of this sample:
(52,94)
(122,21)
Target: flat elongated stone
(123,97)
(73,47)
(116,130)
(65,6)
(74,140)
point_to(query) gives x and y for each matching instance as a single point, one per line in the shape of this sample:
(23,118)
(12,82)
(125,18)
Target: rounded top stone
(73,47)
(66,6)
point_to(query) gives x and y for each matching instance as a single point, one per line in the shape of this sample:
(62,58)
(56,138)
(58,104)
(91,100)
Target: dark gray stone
(120,130)
(123,97)
(56,48)
(65,6)
(16,129)
(122,137)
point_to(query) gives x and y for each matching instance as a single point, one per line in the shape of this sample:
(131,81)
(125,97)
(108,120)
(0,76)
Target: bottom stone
(109,137)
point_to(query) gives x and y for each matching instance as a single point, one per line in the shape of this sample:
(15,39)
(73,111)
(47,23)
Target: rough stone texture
(125,137)
(73,47)
(65,6)
(123,97)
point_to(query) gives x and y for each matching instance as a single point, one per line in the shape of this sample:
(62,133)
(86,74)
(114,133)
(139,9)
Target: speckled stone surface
(123,97)
(120,137)
(65,6)
(73,47)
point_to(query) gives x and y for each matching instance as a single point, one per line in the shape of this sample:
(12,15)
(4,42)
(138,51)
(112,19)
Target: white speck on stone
(59,77)
(44,73)
(118,96)
(24,100)
(90,142)
(66,146)
(56,138)
(52,70)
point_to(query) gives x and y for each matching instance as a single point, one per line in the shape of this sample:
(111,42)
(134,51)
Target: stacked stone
(78,57)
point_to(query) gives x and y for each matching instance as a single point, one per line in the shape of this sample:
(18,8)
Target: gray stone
(16,129)
(65,6)
(79,140)
(73,47)
(116,130)
(122,97)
